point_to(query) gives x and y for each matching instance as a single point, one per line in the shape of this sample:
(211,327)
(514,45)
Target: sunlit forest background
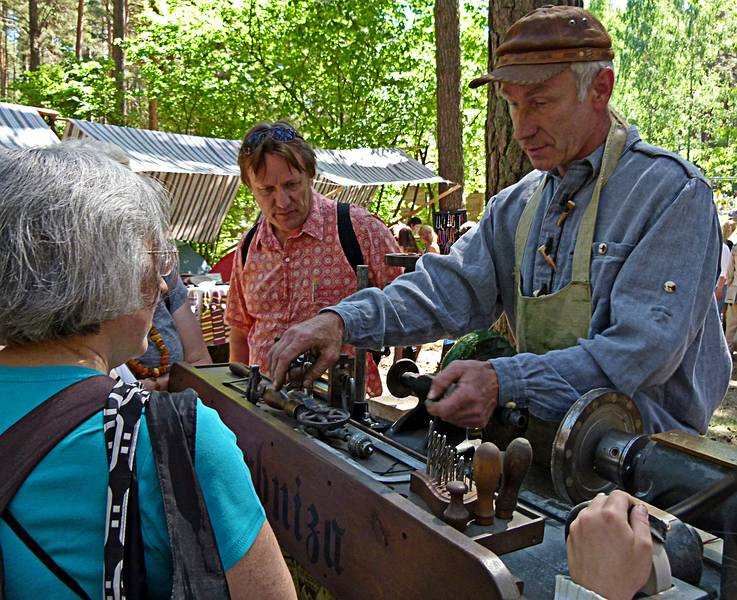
(352,73)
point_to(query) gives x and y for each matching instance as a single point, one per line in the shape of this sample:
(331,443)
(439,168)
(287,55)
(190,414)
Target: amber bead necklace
(142,372)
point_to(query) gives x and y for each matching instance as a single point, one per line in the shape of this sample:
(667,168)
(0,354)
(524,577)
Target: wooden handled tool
(456,514)
(517,461)
(487,468)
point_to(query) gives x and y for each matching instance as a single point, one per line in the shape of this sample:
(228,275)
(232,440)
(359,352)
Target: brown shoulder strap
(24,444)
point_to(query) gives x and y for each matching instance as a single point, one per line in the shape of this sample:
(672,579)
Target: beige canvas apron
(555,321)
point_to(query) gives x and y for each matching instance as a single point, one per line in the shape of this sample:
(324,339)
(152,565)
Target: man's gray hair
(75,228)
(585,73)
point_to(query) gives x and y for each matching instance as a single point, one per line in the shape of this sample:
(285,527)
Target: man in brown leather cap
(604,258)
(549,62)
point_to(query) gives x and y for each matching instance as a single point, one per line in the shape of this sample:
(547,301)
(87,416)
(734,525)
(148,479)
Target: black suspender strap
(247,243)
(346,234)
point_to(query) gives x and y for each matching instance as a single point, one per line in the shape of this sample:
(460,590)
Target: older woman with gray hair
(84,252)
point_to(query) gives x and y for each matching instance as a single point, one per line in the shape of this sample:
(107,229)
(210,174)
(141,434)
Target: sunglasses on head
(278,133)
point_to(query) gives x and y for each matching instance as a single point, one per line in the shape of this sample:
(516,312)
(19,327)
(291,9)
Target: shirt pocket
(607,259)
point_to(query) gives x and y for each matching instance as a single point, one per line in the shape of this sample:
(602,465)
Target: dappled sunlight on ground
(723,425)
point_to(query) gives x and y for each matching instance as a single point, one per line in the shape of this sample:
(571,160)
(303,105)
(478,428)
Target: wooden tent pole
(450,190)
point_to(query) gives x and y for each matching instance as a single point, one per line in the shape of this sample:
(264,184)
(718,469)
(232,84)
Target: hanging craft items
(447,223)
(215,331)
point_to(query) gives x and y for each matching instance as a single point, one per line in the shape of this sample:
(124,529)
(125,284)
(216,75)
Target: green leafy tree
(349,74)
(676,76)
(83,90)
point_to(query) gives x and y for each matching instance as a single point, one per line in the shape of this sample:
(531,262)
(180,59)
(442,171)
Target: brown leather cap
(544,42)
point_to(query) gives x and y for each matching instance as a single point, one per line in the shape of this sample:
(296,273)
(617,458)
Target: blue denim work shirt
(655,332)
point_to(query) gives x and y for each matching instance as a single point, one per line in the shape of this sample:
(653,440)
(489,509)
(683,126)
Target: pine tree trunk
(108,26)
(450,123)
(4,50)
(153,114)
(80,29)
(119,17)
(505,162)
(33,35)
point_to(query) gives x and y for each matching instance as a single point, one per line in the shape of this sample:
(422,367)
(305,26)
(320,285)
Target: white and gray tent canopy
(353,175)
(23,127)
(201,174)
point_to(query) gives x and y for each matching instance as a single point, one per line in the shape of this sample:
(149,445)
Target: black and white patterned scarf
(122,420)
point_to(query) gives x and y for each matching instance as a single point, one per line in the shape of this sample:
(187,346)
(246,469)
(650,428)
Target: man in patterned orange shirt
(294,263)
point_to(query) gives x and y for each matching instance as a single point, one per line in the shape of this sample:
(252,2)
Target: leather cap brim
(521,74)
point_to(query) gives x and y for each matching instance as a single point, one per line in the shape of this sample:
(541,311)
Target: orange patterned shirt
(284,285)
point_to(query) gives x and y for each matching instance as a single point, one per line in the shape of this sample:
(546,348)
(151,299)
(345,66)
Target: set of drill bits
(443,463)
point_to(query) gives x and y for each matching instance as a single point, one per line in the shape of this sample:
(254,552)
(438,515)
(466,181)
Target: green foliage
(676,76)
(349,74)
(82,90)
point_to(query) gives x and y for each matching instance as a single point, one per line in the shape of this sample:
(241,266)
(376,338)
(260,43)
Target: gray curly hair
(76,231)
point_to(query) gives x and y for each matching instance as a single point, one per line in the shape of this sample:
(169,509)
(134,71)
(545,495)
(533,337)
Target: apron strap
(523,231)
(613,148)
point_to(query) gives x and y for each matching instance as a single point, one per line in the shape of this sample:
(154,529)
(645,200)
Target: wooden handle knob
(517,461)
(487,468)
(456,514)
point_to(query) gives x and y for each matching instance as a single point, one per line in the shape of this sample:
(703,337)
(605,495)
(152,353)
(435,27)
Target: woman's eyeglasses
(165,261)
(279,133)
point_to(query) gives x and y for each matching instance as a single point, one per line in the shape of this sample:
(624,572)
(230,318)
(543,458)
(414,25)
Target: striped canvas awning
(23,127)
(200,174)
(361,195)
(353,175)
(372,167)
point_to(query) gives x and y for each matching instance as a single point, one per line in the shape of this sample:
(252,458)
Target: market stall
(23,127)
(199,173)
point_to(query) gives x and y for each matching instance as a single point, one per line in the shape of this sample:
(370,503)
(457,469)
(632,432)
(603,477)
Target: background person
(175,336)
(407,242)
(731,301)
(604,258)
(720,291)
(295,262)
(414,223)
(69,312)
(429,239)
